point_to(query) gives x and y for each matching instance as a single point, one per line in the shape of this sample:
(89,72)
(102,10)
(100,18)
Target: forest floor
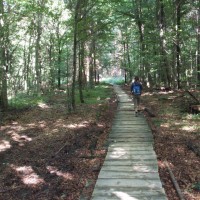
(48,154)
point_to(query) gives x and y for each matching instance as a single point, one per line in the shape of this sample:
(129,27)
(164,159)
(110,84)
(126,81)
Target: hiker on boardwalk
(136,90)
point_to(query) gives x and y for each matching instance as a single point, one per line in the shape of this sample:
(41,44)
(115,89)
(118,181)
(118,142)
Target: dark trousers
(136,99)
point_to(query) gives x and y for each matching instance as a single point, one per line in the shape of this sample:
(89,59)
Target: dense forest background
(48,45)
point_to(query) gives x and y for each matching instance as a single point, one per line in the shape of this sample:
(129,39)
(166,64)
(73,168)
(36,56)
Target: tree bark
(27,59)
(3,66)
(129,62)
(50,56)
(140,25)
(91,65)
(75,45)
(198,45)
(59,60)
(162,31)
(38,51)
(144,66)
(124,62)
(81,66)
(178,49)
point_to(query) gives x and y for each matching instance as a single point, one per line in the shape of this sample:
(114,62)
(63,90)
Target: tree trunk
(140,24)
(129,62)
(59,61)
(59,67)
(50,62)
(75,45)
(38,52)
(198,46)
(27,59)
(3,67)
(178,49)
(4,96)
(81,66)
(124,61)
(94,61)
(125,76)
(69,97)
(162,30)
(91,65)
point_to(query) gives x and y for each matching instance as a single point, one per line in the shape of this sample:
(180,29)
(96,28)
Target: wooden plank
(130,134)
(140,127)
(131,139)
(129,162)
(134,183)
(132,169)
(129,144)
(111,174)
(129,193)
(130,147)
(126,155)
(129,123)
(129,130)
(131,152)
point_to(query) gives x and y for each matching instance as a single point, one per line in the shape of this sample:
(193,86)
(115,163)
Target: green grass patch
(25,101)
(188,116)
(96,95)
(157,122)
(196,117)
(196,186)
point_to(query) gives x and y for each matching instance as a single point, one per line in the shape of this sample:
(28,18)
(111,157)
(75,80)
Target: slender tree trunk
(27,59)
(91,71)
(3,66)
(91,65)
(69,97)
(125,76)
(95,63)
(140,24)
(81,66)
(28,66)
(25,69)
(198,45)
(59,67)
(162,30)
(59,61)
(38,52)
(52,73)
(4,95)
(129,62)
(124,62)
(76,18)
(178,49)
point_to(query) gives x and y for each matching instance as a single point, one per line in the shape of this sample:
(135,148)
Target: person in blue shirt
(136,90)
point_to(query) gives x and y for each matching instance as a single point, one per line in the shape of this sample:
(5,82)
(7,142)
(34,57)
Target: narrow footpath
(130,170)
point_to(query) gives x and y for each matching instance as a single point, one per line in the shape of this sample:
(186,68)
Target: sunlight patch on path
(118,152)
(124,196)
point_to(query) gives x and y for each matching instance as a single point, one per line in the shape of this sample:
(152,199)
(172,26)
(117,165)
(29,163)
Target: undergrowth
(97,95)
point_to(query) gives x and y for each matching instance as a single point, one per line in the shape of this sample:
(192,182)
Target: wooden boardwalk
(130,170)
